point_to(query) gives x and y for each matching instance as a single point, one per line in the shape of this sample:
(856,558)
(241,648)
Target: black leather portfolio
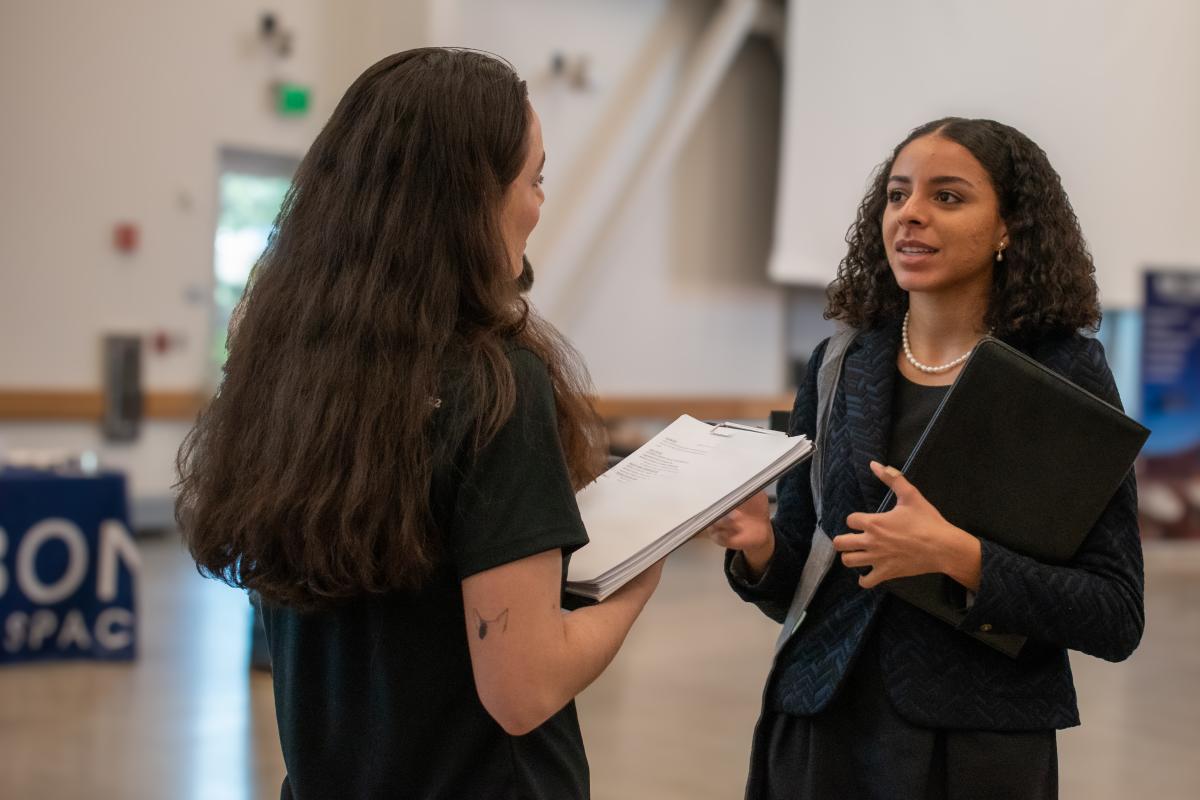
(1018,455)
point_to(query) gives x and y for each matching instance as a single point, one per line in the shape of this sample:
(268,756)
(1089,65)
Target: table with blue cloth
(68,567)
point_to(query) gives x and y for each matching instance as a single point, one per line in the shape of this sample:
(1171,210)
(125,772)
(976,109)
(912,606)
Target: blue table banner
(68,566)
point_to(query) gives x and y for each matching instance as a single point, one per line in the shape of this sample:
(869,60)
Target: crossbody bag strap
(821,553)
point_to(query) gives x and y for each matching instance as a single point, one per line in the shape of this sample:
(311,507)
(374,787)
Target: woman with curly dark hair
(392,457)
(965,231)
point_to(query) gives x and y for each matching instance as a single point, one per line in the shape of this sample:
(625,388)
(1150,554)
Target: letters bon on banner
(1169,480)
(67,568)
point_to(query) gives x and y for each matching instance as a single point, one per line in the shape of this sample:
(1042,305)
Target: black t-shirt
(375,698)
(913,406)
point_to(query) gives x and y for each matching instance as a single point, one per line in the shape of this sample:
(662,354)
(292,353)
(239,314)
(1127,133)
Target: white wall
(673,298)
(1110,89)
(115,111)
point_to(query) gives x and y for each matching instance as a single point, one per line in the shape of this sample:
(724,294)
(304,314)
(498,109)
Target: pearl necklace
(908,353)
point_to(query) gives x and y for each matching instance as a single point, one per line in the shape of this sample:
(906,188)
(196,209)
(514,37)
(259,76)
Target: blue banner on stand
(1169,489)
(67,567)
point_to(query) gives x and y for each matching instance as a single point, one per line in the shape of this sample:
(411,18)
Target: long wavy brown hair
(385,288)
(1046,283)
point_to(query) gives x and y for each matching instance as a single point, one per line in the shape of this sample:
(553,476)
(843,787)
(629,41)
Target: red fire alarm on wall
(125,237)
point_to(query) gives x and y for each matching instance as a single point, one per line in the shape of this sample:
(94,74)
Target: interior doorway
(251,187)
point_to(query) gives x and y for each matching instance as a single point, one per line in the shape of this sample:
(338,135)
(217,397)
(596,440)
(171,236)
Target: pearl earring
(1000,251)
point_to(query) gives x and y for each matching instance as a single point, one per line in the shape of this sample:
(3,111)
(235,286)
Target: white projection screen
(1110,90)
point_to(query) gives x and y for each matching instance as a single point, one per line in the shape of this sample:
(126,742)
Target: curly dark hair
(1046,283)
(386,288)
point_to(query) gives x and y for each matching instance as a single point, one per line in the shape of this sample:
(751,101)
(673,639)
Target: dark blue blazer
(936,675)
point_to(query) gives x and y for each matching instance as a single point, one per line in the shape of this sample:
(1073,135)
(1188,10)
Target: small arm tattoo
(482,622)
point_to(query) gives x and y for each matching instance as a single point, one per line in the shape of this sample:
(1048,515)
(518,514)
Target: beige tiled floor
(670,720)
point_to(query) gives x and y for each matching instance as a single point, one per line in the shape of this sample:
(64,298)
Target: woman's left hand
(911,539)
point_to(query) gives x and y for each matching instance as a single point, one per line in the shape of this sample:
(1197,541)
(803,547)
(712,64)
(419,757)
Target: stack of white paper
(678,483)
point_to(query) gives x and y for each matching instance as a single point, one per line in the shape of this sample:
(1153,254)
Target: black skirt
(859,747)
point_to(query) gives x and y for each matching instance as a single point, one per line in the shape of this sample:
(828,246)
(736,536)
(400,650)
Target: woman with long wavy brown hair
(391,459)
(965,230)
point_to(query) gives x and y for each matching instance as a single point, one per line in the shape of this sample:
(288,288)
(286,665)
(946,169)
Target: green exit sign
(292,99)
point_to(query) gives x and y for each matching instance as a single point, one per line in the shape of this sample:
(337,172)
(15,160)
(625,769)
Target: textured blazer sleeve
(795,517)
(1093,603)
